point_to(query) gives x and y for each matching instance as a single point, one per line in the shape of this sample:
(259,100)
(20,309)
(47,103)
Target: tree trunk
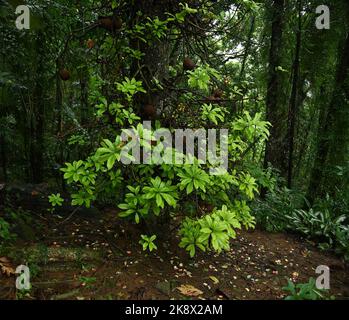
(156,58)
(37,119)
(332,148)
(84,96)
(3,157)
(275,152)
(293,109)
(247,48)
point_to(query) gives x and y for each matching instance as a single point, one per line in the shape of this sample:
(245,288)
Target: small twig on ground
(65,220)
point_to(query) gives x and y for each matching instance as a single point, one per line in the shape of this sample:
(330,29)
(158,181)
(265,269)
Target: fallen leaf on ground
(189,290)
(214,279)
(6,267)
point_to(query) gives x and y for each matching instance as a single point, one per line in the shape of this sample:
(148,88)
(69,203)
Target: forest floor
(98,257)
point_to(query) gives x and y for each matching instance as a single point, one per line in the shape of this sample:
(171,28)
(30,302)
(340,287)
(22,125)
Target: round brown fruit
(117,23)
(149,110)
(188,64)
(106,23)
(90,43)
(211,98)
(218,94)
(64,74)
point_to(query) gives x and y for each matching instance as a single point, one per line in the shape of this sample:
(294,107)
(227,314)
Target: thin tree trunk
(37,119)
(59,110)
(59,101)
(293,109)
(247,48)
(84,96)
(3,157)
(3,143)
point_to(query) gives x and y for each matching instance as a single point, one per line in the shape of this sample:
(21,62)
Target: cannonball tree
(163,78)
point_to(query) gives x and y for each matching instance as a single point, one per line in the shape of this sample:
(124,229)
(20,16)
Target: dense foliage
(88,73)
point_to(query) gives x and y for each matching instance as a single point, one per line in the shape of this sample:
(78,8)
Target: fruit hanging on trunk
(211,99)
(117,22)
(188,64)
(64,74)
(90,43)
(106,23)
(149,111)
(111,24)
(218,93)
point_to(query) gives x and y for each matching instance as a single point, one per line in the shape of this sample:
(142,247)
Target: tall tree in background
(293,108)
(332,149)
(37,116)
(276,153)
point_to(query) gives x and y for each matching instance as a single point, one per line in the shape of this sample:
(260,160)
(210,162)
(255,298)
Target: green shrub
(315,224)
(280,211)
(148,242)
(214,231)
(5,233)
(342,242)
(331,231)
(156,192)
(305,291)
(272,212)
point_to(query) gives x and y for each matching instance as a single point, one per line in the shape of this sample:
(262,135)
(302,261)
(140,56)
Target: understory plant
(272,212)
(329,231)
(5,233)
(153,192)
(148,242)
(305,291)
(324,223)
(214,231)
